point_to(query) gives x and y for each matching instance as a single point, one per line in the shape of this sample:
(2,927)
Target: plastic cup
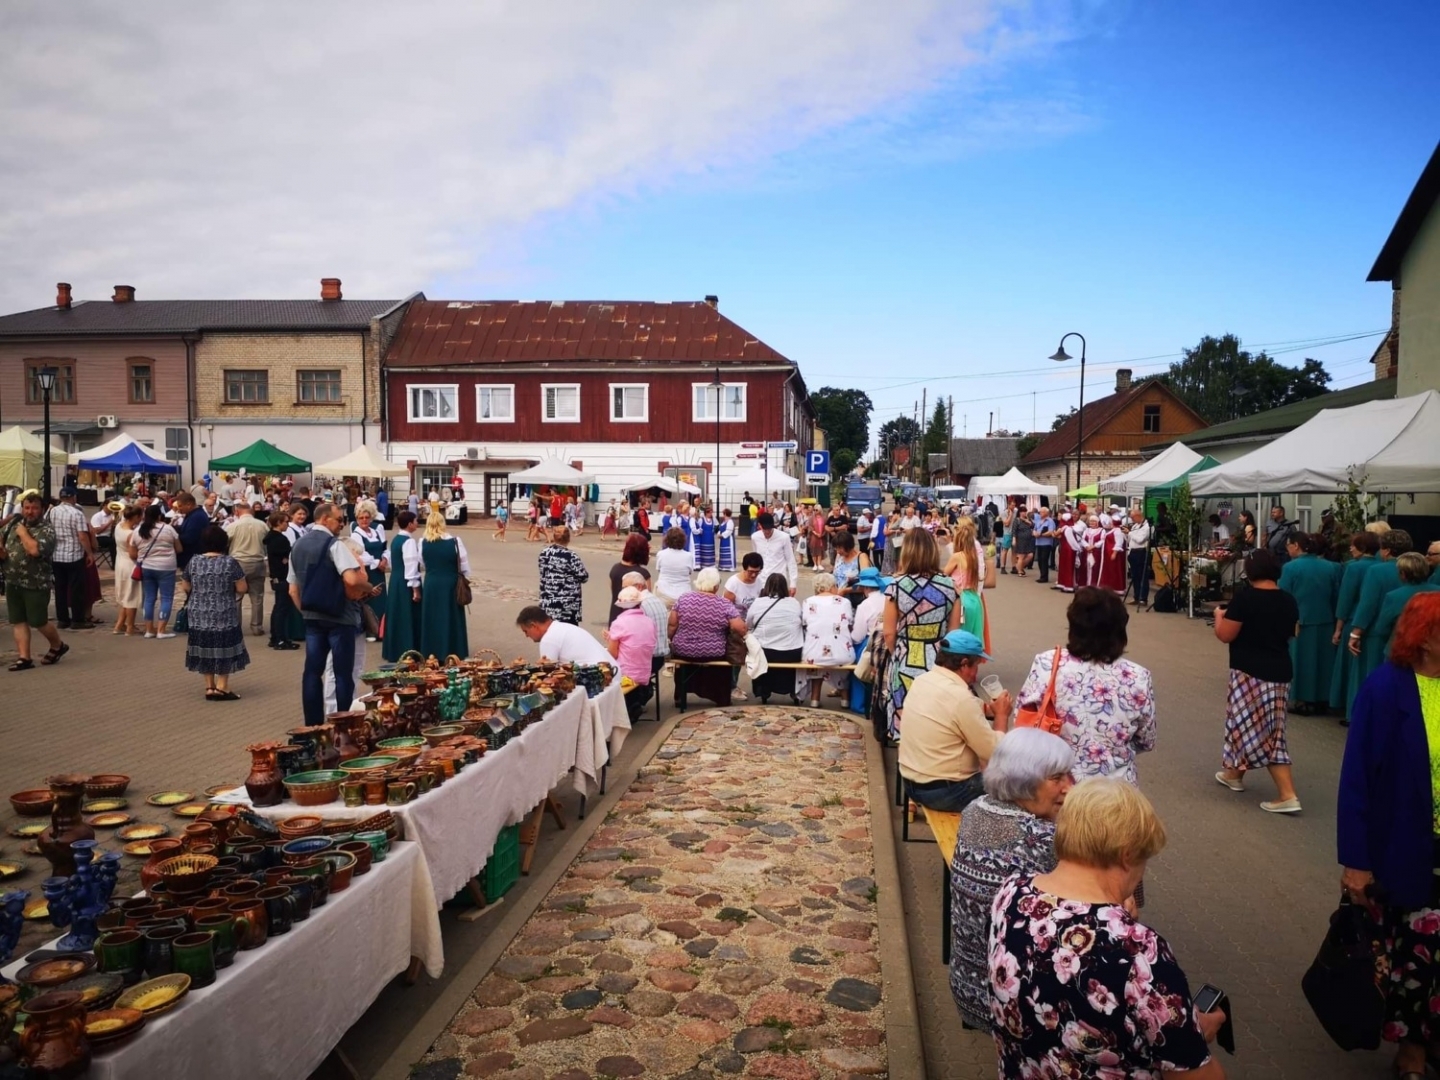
(992,687)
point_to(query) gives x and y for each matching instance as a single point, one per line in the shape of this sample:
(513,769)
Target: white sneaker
(149,633)
(168,634)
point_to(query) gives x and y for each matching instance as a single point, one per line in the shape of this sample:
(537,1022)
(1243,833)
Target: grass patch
(832,800)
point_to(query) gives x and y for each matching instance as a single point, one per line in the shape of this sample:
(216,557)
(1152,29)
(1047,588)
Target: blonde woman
(127,589)
(966,569)
(442,620)
(921,607)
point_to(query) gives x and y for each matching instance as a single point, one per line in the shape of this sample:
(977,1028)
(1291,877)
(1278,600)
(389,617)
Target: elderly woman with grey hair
(827,617)
(1008,830)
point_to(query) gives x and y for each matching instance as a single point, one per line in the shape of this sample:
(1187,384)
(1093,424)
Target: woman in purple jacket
(1388,824)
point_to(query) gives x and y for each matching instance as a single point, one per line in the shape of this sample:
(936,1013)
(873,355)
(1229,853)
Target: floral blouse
(1108,711)
(1084,991)
(827,620)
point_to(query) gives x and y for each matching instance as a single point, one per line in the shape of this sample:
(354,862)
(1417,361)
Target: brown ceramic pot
(352,733)
(265,784)
(66,824)
(53,1043)
(160,850)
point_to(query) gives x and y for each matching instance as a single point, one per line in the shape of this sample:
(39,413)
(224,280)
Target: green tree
(937,432)
(844,416)
(1222,381)
(842,461)
(1028,443)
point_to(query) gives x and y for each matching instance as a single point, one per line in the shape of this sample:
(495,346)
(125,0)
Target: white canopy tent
(758,480)
(104,450)
(363,461)
(1013,482)
(664,483)
(551,472)
(1383,446)
(1172,462)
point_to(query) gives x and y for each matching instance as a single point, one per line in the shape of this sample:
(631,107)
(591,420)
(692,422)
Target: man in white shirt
(864,528)
(1137,553)
(776,549)
(247,547)
(561,642)
(102,527)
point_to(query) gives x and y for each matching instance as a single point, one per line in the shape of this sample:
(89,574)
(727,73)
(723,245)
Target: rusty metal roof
(438,333)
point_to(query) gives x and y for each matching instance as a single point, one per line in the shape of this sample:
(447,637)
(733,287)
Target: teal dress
(1315,584)
(1381,579)
(442,620)
(402,613)
(1351,577)
(1390,609)
(376,550)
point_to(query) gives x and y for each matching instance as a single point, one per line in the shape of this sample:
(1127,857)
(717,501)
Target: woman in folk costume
(704,531)
(1112,567)
(1092,552)
(725,541)
(1067,553)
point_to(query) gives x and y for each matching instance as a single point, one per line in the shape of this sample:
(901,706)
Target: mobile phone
(1207,997)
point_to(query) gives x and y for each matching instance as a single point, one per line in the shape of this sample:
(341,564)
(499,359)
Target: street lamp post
(1062,355)
(46,378)
(719,388)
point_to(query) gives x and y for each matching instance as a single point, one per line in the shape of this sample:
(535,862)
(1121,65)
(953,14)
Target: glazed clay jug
(352,733)
(53,1043)
(265,784)
(66,824)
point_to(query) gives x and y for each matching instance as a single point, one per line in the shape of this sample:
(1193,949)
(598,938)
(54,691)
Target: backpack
(323,591)
(1165,600)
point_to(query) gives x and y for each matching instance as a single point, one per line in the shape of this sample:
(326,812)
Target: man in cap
(946,740)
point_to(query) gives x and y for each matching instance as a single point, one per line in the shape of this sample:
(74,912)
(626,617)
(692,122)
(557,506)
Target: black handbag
(1341,985)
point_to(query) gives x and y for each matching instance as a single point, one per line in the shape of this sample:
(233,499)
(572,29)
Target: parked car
(950,495)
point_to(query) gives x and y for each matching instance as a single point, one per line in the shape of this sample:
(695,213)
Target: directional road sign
(752,446)
(784,444)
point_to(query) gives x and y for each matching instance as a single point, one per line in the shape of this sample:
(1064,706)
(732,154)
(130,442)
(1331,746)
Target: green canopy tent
(1089,491)
(260,457)
(1158,493)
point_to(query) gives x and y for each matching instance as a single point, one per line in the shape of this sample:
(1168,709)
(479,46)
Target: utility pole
(914,443)
(950,439)
(924,477)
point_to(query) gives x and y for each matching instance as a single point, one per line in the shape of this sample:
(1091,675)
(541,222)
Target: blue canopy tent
(131,457)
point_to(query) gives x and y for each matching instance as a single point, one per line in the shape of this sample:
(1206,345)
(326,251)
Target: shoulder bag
(136,574)
(1342,986)
(463,592)
(755,662)
(1043,716)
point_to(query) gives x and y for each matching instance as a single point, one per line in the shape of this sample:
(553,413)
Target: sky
(916,195)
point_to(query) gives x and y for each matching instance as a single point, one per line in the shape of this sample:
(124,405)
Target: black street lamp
(46,378)
(719,388)
(1062,355)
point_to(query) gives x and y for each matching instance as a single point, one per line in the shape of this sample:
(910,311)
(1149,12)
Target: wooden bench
(945,827)
(779,665)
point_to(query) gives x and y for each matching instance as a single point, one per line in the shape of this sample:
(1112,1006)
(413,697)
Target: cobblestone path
(720,922)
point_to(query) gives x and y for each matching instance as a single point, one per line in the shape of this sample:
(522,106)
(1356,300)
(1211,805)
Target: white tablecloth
(601,736)
(278,1010)
(458,822)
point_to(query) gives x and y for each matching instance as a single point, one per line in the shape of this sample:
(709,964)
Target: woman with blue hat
(868,616)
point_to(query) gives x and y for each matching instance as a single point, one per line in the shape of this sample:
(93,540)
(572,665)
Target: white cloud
(249,149)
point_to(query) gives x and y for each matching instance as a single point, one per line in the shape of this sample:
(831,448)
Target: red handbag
(1044,716)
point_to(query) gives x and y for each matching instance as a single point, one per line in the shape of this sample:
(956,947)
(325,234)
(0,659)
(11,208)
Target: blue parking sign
(817,461)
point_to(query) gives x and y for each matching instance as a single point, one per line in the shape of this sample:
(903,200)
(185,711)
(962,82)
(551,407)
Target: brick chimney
(713,301)
(124,294)
(330,288)
(1122,380)
(62,294)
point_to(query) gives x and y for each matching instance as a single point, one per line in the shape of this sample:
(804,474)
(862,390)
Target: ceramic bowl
(155,995)
(105,1026)
(186,874)
(106,784)
(361,852)
(367,766)
(45,974)
(342,866)
(293,828)
(36,802)
(404,742)
(315,788)
(437,735)
(294,852)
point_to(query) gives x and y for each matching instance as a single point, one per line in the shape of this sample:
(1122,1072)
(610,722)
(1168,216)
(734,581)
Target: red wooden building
(621,390)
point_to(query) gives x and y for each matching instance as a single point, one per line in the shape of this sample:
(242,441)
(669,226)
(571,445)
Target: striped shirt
(69,523)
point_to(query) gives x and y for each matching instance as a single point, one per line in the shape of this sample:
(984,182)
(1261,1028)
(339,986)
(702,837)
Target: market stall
(1013,482)
(363,461)
(260,457)
(1169,465)
(606,726)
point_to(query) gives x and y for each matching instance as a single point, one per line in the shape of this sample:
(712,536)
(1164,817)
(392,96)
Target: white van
(950,495)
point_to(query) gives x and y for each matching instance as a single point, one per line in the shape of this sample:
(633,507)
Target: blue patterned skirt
(217,652)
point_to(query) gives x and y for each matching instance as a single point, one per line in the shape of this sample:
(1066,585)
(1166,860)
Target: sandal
(23,664)
(54,655)
(211,694)
(227,695)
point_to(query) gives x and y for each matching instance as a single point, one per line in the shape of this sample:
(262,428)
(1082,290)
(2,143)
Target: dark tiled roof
(1061,444)
(1285,418)
(440,333)
(984,457)
(191,316)
(1417,208)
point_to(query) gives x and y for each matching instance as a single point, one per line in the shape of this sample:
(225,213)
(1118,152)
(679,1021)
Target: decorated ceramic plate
(104,806)
(9,869)
(108,1025)
(192,809)
(97,989)
(143,832)
(47,973)
(31,849)
(139,848)
(29,832)
(155,995)
(39,909)
(220,789)
(169,798)
(112,820)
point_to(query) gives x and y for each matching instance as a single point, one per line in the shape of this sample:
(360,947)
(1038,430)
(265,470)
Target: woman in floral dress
(921,607)
(1078,987)
(216,643)
(827,617)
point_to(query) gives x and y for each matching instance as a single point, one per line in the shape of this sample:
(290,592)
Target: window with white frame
(434,403)
(629,402)
(732,401)
(561,402)
(495,404)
